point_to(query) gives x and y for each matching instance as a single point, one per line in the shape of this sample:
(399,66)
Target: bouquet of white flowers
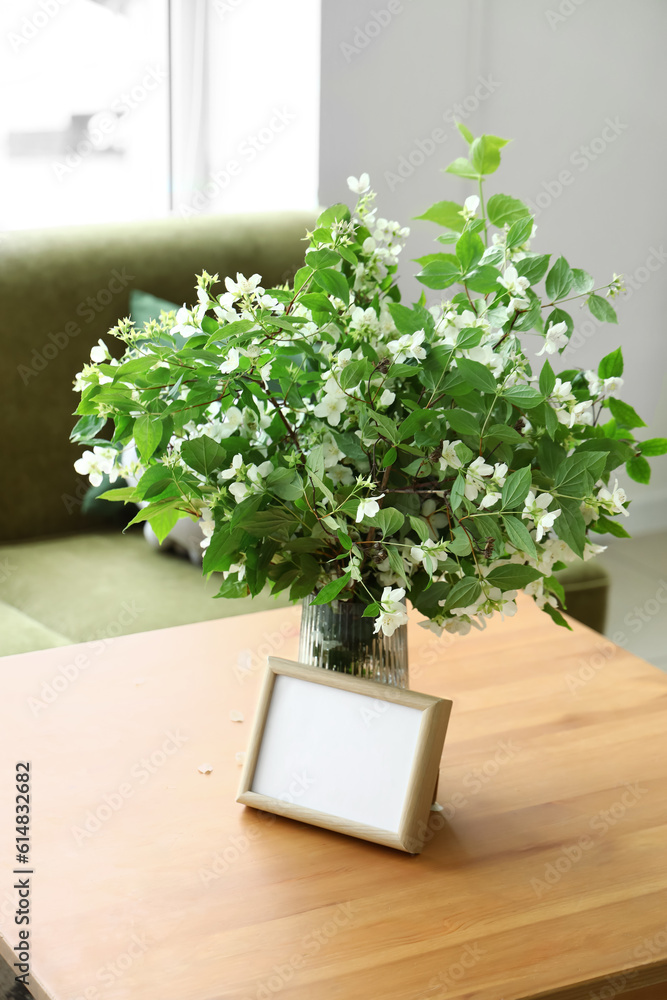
(343,446)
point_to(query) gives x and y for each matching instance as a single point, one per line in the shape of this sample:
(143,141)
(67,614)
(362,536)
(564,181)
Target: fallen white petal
(239,756)
(236,716)
(205,768)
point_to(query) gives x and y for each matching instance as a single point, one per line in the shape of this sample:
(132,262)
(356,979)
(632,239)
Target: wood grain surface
(544,876)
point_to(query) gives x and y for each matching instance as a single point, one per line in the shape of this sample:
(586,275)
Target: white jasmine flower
(185,323)
(594,383)
(449,457)
(364,320)
(535,509)
(234,469)
(244,286)
(428,553)
(331,407)
(562,392)
(408,346)
(470,206)
(341,475)
(513,283)
(100,352)
(556,337)
(392,611)
(612,384)
(368,507)
(258,472)
(387,398)
(591,550)
(612,500)
(239,491)
(231,363)
(97,464)
(359,185)
(474,481)
(207,525)
(331,452)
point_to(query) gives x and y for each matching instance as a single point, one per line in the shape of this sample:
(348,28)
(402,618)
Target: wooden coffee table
(545,875)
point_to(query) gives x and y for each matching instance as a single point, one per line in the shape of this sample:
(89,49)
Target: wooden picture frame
(345,753)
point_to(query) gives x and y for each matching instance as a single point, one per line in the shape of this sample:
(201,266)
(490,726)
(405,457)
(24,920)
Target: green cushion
(21,634)
(99,585)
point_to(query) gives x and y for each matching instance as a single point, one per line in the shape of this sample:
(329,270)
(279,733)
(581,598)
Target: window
(127,109)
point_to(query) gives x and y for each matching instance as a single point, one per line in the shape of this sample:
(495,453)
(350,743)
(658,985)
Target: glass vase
(336,637)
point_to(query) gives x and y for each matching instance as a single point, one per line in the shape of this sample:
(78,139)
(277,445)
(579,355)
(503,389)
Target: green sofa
(67,576)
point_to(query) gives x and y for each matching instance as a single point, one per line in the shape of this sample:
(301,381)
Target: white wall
(552,76)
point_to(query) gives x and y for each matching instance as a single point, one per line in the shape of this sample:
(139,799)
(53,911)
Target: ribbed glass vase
(336,637)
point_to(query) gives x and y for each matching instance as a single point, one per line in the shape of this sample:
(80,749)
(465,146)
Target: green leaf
(301,277)
(512,576)
(445,213)
(518,534)
(570,526)
(519,232)
(352,374)
(638,469)
(611,365)
(653,446)
(469,249)
(462,167)
(440,273)
(477,375)
(389,458)
(547,379)
(503,210)
(557,616)
(321,258)
(579,471)
(582,281)
(87,428)
(285,483)
(624,414)
(533,268)
(483,279)
(164,522)
(419,527)
(462,422)
(559,280)
(601,309)
(331,590)
(334,283)
(335,213)
(457,492)
(204,455)
(504,433)
(124,493)
(154,510)
(469,337)
(344,540)
(516,488)
(605,526)
(465,132)
(523,396)
(275,523)
(147,435)
(464,593)
(389,520)
(484,155)
(406,320)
